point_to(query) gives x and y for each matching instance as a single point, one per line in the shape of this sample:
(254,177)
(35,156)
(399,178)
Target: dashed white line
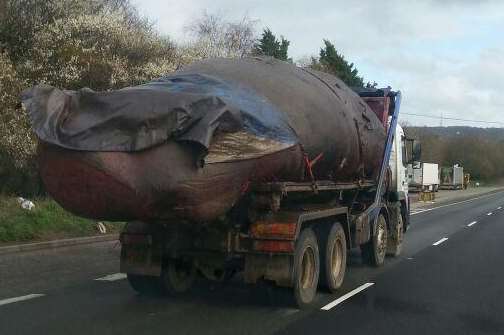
(489,213)
(472,223)
(346,296)
(22,298)
(452,204)
(113,277)
(440,241)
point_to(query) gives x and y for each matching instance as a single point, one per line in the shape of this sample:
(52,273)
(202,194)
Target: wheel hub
(307,268)
(381,239)
(337,251)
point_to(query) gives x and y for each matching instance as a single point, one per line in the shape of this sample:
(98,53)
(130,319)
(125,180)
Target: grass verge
(47,221)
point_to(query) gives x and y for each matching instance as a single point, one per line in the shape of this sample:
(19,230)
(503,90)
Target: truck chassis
(279,239)
(288,234)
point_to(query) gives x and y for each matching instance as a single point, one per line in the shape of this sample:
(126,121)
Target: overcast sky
(445,56)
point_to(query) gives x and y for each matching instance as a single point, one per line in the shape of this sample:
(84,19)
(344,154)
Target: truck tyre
(177,276)
(395,242)
(306,268)
(145,285)
(333,254)
(373,252)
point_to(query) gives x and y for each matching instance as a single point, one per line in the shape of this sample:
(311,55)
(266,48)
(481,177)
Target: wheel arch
(321,222)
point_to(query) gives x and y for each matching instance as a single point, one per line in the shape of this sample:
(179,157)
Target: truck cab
(398,166)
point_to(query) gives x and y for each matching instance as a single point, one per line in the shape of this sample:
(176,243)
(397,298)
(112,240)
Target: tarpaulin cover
(184,107)
(250,120)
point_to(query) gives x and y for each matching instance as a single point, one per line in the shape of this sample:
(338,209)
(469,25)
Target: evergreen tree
(331,61)
(268,45)
(283,49)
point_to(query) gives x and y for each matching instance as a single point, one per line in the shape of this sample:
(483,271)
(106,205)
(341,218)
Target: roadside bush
(97,51)
(20,20)
(17,139)
(17,142)
(101,44)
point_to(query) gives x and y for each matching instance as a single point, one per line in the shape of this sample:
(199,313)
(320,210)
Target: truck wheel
(394,245)
(333,256)
(373,252)
(178,276)
(306,268)
(145,285)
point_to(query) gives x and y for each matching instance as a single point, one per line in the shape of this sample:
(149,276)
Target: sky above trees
(446,56)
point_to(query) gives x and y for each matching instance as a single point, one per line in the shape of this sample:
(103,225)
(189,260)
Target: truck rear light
(273,230)
(273,246)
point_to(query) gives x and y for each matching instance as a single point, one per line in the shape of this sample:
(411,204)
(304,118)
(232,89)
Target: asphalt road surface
(449,280)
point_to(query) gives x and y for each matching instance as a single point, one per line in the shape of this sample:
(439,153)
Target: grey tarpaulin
(185,107)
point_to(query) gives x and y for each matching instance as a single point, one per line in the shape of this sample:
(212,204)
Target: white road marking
(346,296)
(452,204)
(489,213)
(440,241)
(22,298)
(472,223)
(113,277)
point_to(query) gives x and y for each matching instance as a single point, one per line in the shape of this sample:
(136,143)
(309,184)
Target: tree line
(107,44)
(480,151)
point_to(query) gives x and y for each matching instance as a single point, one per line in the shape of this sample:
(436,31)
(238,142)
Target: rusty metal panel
(380,106)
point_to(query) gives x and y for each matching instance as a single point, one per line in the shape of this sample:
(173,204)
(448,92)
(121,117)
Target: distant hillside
(496,134)
(479,150)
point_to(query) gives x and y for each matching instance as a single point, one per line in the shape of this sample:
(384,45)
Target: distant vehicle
(423,177)
(452,177)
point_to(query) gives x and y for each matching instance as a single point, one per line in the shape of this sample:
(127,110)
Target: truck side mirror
(417,151)
(413,150)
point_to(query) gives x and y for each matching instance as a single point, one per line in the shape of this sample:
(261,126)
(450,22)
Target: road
(452,287)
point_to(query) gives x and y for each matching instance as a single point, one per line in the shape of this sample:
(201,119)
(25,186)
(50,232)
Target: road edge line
(57,243)
(20,298)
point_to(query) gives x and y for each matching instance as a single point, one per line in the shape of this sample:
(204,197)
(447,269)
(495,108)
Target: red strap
(310,164)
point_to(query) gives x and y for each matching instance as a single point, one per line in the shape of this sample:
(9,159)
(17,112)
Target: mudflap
(276,268)
(395,223)
(361,232)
